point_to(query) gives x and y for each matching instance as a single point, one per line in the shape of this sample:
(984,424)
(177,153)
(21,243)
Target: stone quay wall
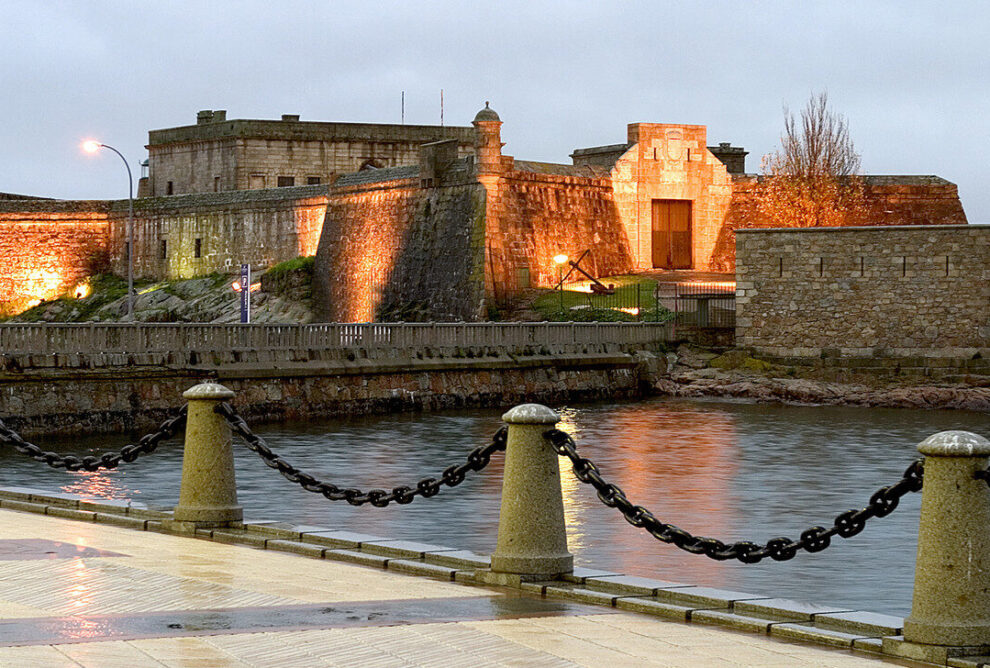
(101,392)
(903,292)
(47,247)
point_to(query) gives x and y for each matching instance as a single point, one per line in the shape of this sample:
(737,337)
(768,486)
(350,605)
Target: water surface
(735,471)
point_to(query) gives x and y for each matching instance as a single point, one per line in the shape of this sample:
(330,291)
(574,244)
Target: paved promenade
(82,594)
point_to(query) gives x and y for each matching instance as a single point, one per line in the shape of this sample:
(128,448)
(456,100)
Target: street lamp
(559,260)
(91,146)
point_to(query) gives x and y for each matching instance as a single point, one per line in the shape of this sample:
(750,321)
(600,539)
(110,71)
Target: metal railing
(114,338)
(704,305)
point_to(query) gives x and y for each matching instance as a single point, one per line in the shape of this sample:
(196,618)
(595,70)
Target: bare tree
(813,179)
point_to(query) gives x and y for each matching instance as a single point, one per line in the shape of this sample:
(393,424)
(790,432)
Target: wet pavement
(86,595)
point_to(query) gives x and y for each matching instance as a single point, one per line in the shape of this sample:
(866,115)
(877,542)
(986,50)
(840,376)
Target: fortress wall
(533,217)
(47,247)
(395,251)
(261,227)
(873,292)
(890,200)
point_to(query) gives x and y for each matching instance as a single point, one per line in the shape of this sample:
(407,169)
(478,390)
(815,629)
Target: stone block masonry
(93,393)
(47,247)
(191,235)
(865,292)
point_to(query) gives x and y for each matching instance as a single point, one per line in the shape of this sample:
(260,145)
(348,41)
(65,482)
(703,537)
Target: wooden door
(672,233)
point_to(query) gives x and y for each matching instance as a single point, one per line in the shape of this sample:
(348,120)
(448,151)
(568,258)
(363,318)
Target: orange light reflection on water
(97,484)
(680,473)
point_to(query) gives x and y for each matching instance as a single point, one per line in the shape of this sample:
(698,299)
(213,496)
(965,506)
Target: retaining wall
(865,292)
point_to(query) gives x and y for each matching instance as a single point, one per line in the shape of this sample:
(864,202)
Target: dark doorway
(672,233)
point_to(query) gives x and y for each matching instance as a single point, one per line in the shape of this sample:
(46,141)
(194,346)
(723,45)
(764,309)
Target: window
(198,248)
(216,184)
(256,181)
(168,188)
(164,249)
(312,180)
(285,181)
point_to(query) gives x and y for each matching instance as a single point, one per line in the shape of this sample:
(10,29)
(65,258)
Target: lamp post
(559,260)
(93,147)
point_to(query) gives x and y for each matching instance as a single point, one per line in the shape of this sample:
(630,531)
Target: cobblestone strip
(854,630)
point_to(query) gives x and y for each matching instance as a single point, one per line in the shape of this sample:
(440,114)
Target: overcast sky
(911,77)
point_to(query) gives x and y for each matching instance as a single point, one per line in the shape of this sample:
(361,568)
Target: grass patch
(632,301)
(304,263)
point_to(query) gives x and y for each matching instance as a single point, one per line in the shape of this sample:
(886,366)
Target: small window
(168,188)
(198,248)
(216,184)
(164,249)
(312,180)
(285,181)
(257,181)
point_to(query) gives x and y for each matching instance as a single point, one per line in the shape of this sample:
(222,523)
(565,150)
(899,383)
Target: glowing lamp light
(91,146)
(560,259)
(236,285)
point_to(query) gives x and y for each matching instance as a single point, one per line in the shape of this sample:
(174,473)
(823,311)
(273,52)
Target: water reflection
(734,471)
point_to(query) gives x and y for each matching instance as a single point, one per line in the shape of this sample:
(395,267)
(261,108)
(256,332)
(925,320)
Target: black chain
(147,444)
(427,487)
(815,539)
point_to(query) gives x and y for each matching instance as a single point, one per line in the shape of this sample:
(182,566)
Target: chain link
(110,460)
(815,539)
(427,487)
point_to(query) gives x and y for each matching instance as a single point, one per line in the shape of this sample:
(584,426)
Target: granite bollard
(208,492)
(532,537)
(951,601)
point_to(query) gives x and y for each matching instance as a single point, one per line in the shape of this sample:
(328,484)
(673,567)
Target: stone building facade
(218,155)
(864,292)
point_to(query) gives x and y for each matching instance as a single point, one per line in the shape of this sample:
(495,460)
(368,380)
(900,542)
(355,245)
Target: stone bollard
(951,602)
(532,538)
(208,494)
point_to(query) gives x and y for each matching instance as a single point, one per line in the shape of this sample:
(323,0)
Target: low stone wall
(79,393)
(868,292)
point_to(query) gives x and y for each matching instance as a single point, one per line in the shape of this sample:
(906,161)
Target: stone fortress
(413,222)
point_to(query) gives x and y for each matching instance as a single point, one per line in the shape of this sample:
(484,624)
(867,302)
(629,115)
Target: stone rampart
(889,200)
(261,227)
(392,250)
(864,292)
(47,247)
(532,217)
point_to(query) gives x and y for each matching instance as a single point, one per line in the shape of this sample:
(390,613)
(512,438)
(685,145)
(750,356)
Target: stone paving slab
(168,600)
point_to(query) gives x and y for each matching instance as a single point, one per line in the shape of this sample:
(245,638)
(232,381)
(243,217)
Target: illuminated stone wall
(864,292)
(890,200)
(47,247)
(392,250)
(262,228)
(534,216)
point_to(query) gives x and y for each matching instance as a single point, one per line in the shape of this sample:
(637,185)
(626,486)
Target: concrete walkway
(82,594)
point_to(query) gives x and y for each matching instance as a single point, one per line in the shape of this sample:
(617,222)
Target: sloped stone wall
(392,251)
